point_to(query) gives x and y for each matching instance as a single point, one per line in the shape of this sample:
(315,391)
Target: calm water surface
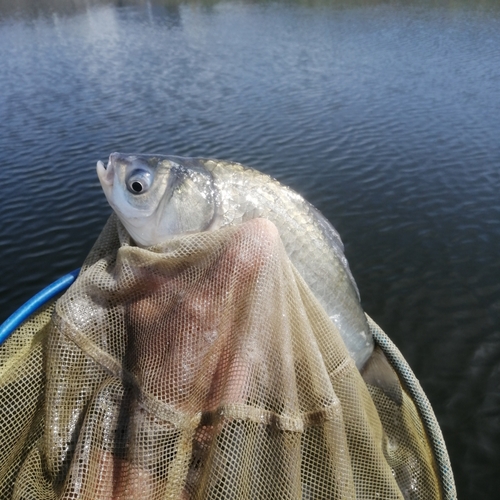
(385,115)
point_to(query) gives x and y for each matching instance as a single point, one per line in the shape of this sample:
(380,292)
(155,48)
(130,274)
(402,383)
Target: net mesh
(203,368)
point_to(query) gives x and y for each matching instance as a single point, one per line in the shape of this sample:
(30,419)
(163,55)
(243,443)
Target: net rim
(32,305)
(423,405)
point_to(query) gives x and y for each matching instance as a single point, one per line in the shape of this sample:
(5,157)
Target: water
(385,115)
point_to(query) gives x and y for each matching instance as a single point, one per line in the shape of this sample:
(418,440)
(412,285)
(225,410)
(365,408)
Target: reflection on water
(385,115)
(36,8)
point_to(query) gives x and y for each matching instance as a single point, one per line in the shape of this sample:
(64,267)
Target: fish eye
(139,181)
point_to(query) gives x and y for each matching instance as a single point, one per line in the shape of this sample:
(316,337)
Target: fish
(158,197)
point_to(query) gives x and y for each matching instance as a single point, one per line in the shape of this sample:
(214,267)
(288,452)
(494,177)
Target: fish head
(158,197)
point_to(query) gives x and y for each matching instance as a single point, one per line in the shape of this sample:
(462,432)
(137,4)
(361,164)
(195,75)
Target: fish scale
(312,244)
(196,194)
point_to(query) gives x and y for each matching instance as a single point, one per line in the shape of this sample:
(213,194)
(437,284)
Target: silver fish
(157,197)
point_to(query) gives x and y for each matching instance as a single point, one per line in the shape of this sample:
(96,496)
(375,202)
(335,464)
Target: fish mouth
(105,171)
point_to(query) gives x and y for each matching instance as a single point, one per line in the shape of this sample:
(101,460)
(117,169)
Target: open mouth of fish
(105,172)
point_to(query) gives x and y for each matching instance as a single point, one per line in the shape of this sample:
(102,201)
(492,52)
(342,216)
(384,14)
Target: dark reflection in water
(385,115)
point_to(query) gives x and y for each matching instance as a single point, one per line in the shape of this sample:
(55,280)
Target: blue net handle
(38,300)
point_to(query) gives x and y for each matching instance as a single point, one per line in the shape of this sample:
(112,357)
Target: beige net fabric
(203,368)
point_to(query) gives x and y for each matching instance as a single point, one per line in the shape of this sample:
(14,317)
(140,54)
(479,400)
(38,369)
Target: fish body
(158,197)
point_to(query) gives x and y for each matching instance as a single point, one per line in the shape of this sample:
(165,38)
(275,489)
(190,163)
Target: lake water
(385,115)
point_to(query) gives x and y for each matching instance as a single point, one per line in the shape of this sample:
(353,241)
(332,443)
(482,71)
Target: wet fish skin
(182,195)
